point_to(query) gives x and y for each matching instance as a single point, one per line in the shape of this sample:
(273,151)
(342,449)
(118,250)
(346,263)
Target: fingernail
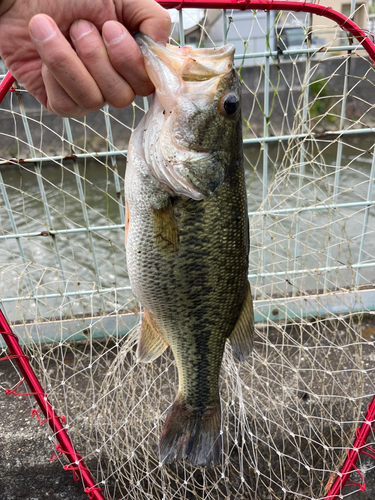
(80,29)
(113,32)
(41,28)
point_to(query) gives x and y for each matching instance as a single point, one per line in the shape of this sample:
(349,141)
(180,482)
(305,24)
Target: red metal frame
(66,447)
(359,446)
(5,85)
(55,422)
(346,24)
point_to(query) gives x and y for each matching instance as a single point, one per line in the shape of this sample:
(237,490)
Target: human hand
(75,56)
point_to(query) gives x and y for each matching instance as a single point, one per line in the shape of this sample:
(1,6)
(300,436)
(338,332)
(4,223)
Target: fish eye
(229,104)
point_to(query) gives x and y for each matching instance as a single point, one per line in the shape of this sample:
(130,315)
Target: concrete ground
(25,469)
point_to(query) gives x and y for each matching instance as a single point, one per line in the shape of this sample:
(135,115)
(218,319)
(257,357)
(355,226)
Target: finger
(126,57)
(58,101)
(64,64)
(92,52)
(146,16)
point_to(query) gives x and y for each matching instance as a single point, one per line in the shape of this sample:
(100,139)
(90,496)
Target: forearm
(5,5)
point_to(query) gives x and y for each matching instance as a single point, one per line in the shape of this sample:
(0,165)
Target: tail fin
(192,434)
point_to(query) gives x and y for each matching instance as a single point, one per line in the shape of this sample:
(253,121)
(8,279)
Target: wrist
(5,5)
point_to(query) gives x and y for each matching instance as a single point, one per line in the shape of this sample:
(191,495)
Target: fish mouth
(185,70)
(186,80)
(190,63)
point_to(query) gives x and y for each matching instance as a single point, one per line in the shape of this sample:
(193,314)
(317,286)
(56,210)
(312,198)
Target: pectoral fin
(151,344)
(242,336)
(165,227)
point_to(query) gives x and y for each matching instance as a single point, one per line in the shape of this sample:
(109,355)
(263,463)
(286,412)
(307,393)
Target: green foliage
(246,46)
(319,87)
(321,102)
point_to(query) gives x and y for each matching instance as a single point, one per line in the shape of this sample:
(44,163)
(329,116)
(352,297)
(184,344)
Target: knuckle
(165,22)
(90,52)
(55,60)
(125,55)
(145,89)
(117,93)
(66,110)
(120,100)
(62,105)
(91,103)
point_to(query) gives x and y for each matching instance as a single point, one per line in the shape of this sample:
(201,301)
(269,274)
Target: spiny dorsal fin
(151,344)
(242,336)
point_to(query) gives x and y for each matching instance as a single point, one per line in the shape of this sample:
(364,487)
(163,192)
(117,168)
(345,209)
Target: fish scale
(187,247)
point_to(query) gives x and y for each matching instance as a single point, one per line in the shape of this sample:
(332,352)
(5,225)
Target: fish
(187,236)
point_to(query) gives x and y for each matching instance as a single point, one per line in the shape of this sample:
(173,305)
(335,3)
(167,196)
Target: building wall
(246,30)
(325,28)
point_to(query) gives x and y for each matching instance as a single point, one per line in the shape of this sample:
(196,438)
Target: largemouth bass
(187,235)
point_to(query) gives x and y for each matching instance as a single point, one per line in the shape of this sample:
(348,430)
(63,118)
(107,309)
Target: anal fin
(151,344)
(242,336)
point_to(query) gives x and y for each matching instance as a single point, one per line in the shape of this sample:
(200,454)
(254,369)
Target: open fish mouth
(187,81)
(177,70)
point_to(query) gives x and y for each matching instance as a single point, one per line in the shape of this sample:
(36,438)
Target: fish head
(195,116)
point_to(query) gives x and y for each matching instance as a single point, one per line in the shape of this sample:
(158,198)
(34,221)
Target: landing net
(291,412)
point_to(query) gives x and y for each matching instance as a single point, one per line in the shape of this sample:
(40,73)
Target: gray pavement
(25,469)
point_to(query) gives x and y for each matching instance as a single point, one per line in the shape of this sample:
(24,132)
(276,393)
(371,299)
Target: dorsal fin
(242,336)
(151,344)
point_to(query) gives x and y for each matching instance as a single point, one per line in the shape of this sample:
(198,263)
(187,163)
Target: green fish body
(187,235)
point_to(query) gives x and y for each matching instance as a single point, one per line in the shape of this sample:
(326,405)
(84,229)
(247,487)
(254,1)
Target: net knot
(13,391)
(362,485)
(57,454)
(90,491)
(60,450)
(76,468)
(35,413)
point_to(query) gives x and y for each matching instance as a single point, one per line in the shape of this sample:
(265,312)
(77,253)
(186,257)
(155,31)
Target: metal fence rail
(292,410)
(86,279)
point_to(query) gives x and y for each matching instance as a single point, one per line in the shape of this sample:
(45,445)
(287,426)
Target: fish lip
(144,41)
(213,61)
(214,52)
